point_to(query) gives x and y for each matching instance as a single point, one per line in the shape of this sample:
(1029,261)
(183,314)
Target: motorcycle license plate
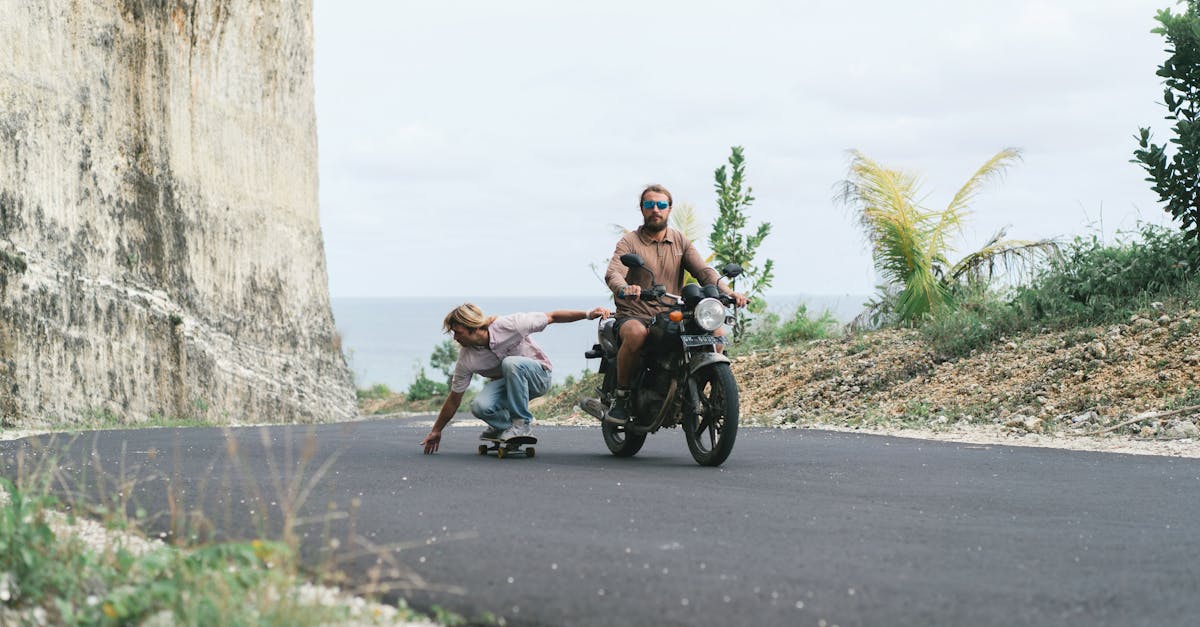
(702,340)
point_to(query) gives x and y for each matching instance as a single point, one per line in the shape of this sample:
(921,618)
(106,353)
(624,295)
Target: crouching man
(499,348)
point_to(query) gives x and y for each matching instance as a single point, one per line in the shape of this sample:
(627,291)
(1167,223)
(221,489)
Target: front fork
(692,363)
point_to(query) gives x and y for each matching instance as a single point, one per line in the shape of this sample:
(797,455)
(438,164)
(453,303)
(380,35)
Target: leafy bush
(444,357)
(800,327)
(1093,283)
(425,388)
(730,245)
(1176,177)
(980,319)
(375,392)
(770,331)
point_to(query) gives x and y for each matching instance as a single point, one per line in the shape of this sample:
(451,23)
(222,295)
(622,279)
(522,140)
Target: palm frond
(1011,255)
(884,200)
(910,244)
(684,218)
(923,294)
(992,168)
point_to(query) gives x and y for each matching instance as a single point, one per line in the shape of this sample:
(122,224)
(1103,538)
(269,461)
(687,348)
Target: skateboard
(504,448)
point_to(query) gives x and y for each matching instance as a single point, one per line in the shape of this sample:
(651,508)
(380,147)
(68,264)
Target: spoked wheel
(620,442)
(710,434)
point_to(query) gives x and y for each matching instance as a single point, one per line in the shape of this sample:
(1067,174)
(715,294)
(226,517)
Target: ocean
(387,340)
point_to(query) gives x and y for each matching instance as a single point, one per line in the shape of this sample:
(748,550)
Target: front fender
(702,360)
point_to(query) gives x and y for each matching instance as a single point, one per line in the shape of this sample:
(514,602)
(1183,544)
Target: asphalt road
(799,527)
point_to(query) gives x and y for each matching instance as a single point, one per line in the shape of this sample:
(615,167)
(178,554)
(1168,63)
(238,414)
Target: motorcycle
(683,379)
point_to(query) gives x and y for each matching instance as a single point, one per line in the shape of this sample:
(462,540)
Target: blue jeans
(507,398)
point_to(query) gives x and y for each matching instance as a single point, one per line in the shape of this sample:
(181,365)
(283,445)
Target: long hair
(466,315)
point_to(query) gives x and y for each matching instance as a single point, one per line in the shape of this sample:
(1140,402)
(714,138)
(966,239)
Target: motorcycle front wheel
(710,433)
(620,442)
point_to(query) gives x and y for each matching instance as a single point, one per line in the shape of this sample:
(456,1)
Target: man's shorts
(620,321)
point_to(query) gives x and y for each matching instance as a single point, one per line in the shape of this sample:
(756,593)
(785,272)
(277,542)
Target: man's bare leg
(629,355)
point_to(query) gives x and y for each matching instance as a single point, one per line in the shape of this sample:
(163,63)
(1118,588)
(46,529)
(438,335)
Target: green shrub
(1175,177)
(424,388)
(800,327)
(1091,283)
(770,331)
(980,318)
(378,391)
(1095,283)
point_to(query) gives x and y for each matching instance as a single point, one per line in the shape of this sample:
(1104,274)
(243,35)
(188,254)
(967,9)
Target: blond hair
(466,315)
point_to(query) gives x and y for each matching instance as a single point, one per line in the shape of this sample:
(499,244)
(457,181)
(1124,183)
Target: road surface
(799,527)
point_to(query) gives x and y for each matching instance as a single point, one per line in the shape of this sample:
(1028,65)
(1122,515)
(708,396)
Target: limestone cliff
(160,244)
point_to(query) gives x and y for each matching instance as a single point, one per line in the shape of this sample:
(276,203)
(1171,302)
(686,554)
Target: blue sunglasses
(651,204)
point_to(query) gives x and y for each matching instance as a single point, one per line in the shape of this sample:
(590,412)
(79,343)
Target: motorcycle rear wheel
(711,433)
(620,442)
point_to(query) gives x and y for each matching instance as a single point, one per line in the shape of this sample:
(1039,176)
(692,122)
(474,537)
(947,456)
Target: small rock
(1148,432)
(1156,305)
(1182,429)
(1087,416)
(1140,324)
(1192,359)
(1024,423)
(1097,350)
(1164,320)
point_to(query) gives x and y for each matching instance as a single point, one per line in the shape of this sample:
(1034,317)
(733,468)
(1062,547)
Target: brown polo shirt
(667,258)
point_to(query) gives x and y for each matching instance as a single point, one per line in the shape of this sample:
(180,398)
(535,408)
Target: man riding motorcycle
(667,254)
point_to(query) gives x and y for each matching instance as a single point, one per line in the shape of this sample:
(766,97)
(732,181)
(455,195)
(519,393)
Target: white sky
(483,148)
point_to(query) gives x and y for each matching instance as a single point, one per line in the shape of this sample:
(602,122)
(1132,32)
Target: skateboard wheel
(500,452)
(530,451)
(483,449)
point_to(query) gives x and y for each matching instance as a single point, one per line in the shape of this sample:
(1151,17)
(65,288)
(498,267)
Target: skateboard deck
(504,448)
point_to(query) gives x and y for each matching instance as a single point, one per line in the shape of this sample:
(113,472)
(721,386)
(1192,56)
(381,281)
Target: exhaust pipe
(597,410)
(594,407)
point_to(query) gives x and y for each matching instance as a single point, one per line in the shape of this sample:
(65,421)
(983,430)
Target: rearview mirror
(632,260)
(731,270)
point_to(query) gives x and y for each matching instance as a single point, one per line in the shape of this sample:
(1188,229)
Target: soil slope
(1132,387)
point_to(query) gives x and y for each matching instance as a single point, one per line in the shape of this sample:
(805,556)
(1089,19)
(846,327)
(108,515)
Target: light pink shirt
(507,336)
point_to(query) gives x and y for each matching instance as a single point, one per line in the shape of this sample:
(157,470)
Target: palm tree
(910,244)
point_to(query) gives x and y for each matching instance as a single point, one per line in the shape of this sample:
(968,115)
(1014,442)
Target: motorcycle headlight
(710,314)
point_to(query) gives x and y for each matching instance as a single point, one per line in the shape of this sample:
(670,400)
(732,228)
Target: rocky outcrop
(160,244)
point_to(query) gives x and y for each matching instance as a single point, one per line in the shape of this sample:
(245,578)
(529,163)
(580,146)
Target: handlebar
(658,292)
(653,293)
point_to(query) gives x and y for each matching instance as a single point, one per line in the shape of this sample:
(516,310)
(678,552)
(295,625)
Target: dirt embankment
(1132,387)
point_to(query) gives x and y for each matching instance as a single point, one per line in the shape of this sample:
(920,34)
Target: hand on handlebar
(739,300)
(631,292)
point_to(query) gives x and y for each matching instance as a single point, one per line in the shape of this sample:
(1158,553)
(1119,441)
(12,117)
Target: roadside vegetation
(73,551)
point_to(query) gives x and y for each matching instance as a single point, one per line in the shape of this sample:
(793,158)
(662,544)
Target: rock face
(160,243)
